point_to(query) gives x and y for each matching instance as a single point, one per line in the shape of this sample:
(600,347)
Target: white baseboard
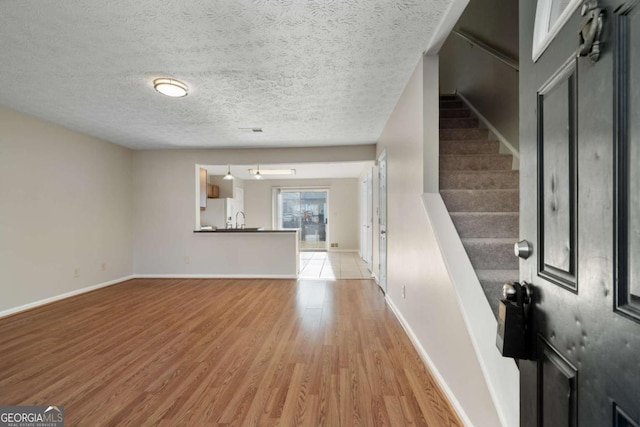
(492,128)
(343,250)
(216,276)
(427,361)
(45,301)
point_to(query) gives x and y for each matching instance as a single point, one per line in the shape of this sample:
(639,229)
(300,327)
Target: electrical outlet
(187,260)
(103,266)
(334,245)
(404,291)
(76,273)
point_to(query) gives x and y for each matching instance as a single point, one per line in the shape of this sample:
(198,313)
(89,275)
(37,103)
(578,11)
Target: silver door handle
(510,292)
(383,232)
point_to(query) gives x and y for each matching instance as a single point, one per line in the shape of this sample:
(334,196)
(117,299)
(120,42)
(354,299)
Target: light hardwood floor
(190,352)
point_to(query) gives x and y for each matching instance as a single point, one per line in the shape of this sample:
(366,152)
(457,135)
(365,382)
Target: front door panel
(558,388)
(628,163)
(580,205)
(557,136)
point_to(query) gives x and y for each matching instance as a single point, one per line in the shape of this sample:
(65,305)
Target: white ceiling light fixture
(228,176)
(256,173)
(273,171)
(170,87)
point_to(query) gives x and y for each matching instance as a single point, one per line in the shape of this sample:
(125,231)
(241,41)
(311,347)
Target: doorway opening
(305,210)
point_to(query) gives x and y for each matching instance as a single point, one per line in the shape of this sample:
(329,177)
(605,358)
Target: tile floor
(332,265)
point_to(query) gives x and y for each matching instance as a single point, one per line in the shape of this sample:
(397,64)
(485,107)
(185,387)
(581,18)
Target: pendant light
(257,175)
(228,176)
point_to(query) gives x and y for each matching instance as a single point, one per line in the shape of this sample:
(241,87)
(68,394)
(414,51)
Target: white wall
(70,202)
(430,126)
(430,309)
(65,205)
(344,221)
(164,198)
(490,85)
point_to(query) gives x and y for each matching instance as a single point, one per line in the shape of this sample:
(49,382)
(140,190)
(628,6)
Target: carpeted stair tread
(469,147)
(486,224)
(475,162)
(465,141)
(455,112)
(491,253)
(492,282)
(481,192)
(491,179)
(451,103)
(481,200)
(463,133)
(498,240)
(498,275)
(455,123)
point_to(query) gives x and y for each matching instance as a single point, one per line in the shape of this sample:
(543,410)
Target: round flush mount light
(171,87)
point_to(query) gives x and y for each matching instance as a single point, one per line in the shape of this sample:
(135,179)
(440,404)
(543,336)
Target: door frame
(275,209)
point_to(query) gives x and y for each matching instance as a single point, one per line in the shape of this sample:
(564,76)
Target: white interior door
(363,219)
(382,219)
(366,220)
(369,220)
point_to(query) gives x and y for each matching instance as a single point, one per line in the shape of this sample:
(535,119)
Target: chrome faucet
(243,219)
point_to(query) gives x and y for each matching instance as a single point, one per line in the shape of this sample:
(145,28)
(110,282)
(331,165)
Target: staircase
(480,191)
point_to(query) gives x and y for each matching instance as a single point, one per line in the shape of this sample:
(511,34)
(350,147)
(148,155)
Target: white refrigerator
(218,213)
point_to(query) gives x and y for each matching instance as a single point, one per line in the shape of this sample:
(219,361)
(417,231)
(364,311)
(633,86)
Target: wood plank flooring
(191,352)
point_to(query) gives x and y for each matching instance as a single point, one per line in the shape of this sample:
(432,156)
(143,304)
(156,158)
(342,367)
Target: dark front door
(580,209)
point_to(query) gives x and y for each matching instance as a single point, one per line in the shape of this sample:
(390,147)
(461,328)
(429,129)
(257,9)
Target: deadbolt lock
(523,249)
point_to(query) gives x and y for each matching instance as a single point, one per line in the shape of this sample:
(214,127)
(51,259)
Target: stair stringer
(501,374)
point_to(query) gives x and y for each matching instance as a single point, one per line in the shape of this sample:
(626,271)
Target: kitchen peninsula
(250,252)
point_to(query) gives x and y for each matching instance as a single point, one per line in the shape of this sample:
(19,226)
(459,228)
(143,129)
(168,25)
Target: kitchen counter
(246,252)
(243,230)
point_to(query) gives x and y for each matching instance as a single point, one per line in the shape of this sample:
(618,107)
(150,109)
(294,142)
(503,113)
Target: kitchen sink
(240,230)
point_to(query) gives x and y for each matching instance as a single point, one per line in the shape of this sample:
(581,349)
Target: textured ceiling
(309,72)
